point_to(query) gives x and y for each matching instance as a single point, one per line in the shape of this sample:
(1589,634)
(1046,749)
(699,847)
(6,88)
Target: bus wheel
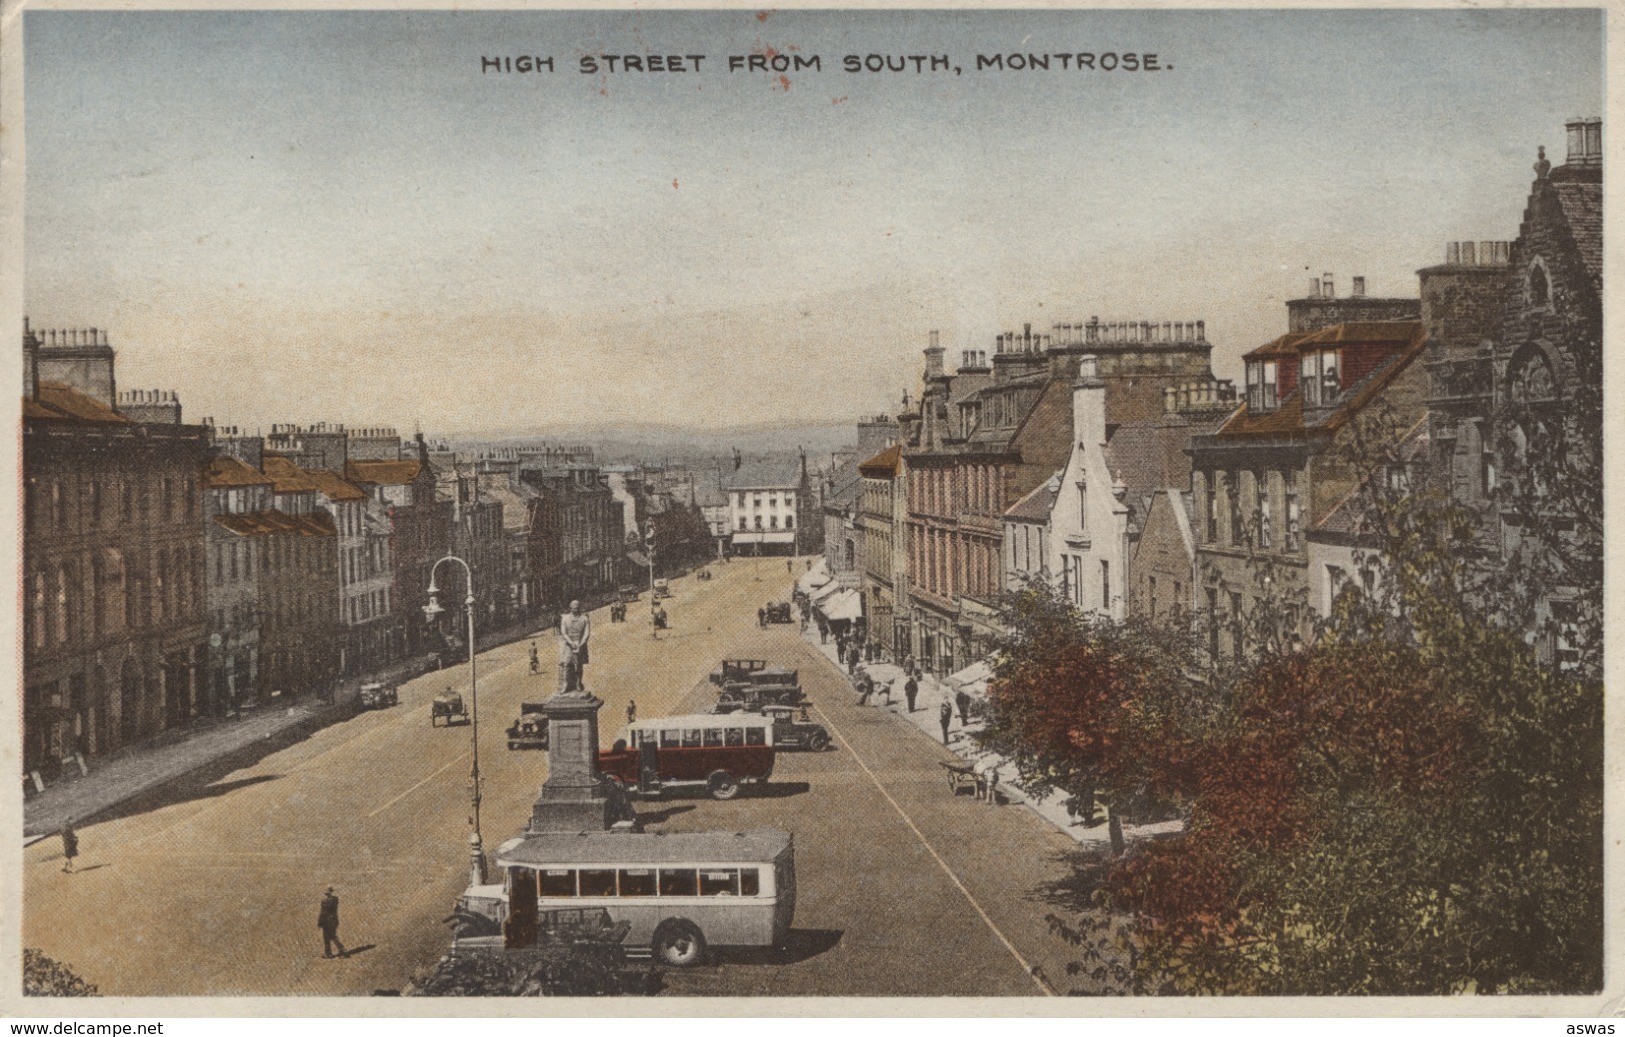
(678,943)
(723,785)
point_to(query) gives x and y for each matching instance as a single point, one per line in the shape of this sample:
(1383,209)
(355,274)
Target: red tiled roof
(332,487)
(220,472)
(286,476)
(55,402)
(277,523)
(1286,421)
(383,473)
(883,464)
(1286,345)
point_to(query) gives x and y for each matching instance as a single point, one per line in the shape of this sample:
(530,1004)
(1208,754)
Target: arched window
(1540,286)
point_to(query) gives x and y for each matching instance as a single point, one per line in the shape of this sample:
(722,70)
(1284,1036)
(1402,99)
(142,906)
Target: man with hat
(327,920)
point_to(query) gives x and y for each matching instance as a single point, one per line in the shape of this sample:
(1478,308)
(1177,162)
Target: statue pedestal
(574,798)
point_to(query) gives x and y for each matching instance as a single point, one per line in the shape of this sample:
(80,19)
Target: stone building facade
(114,631)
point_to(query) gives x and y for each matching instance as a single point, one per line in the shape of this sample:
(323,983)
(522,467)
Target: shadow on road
(660,817)
(203,783)
(354,951)
(771,790)
(799,945)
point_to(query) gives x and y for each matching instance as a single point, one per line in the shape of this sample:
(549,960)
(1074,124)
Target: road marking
(1025,966)
(414,788)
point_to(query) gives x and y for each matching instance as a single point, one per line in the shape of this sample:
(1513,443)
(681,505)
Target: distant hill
(614,444)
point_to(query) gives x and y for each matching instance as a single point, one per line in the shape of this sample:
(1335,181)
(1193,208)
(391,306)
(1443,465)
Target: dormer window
(1318,374)
(1261,382)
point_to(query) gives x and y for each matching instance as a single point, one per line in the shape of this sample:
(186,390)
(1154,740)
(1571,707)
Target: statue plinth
(575,797)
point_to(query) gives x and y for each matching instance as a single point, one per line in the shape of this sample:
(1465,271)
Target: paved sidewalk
(116,779)
(926,717)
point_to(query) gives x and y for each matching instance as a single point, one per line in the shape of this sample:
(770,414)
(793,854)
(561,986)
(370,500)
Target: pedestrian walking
(327,920)
(632,711)
(823,631)
(866,687)
(962,699)
(987,780)
(535,659)
(70,846)
(789,565)
(945,714)
(911,688)
(761,617)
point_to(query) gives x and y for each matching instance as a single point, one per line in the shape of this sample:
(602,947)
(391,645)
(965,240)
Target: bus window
(597,882)
(678,882)
(755,736)
(713,736)
(749,883)
(691,738)
(634,738)
(719,882)
(669,739)
(637,882)
(557,882)
(735,736)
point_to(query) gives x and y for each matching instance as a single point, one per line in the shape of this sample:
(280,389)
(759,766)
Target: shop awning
(638,558)
(844,605)
(824,593)
(811,580)
(973,678)
(781,536)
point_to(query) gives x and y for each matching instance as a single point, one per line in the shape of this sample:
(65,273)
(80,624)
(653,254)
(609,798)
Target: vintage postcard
(909,511)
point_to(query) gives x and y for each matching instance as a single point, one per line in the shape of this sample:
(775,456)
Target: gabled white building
(1089,522)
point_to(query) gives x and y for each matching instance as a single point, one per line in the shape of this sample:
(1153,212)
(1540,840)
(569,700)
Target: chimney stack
(1585,142)
(1328,287)
(1359,288)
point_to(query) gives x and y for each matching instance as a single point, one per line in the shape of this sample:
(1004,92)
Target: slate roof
(1037,504)
(1348,516)
(1582,208)
(55,402)
(764,475)
(222,472)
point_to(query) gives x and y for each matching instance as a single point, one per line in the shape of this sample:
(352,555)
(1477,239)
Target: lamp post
(654,603)
(431,612)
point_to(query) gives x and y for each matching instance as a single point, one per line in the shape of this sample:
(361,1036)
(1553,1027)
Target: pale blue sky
(297,216)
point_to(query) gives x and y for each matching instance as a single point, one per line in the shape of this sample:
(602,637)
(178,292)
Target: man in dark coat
(327,920)
(946,715)
(70,846)
(911,688)
(962,699)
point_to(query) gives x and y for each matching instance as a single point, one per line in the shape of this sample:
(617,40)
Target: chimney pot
(1469,254)
(1328,287)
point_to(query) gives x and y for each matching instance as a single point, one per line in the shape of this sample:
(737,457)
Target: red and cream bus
(721,751)
(680,893)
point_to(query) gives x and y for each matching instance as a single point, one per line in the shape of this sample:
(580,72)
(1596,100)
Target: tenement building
(986,436)
(114,636)
(1321,408)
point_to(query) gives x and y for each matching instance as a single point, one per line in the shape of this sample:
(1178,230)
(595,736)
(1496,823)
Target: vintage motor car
(778,612)
(794,729)
(448,706)
(530,730)
(375,695)
(662,589)
(734,670)
(781,688)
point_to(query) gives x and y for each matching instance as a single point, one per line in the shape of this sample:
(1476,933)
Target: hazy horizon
(300,216)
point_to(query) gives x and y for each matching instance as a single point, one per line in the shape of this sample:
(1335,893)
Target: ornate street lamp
(432,612)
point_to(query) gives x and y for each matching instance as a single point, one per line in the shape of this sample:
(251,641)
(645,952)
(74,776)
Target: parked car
(794,729)
(734,670)
(376,696)
(662,589)
(778,612)
(530,730)
(448,706)
(752,698)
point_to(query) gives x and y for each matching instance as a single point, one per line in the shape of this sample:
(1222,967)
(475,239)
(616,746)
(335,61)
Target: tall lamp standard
(431,612)
(654,602)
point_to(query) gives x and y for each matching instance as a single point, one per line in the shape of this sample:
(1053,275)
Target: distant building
(771,507)
(884,563)
(582,530)
(1027,538)
(420,535)
(1162,571)
(1323,307)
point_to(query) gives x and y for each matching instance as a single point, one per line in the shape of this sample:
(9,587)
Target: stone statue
(575,630)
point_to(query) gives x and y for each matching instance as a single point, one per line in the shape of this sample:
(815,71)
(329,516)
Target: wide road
(212,886)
